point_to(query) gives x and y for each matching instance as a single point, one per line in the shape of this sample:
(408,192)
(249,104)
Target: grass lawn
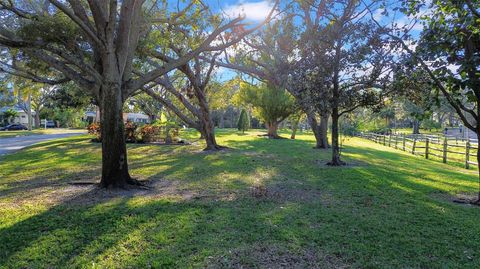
(264,203)
(8,134)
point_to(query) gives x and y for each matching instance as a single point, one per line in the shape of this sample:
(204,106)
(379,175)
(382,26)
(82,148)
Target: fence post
(445,150)
(427,142)
(404,141)
(467,154)
(414,145)
(384,140)
(389,140)
(396,141)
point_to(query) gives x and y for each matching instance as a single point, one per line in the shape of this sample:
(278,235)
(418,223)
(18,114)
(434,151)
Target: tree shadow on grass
(372,216)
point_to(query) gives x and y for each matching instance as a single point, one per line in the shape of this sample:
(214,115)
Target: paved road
(9,145)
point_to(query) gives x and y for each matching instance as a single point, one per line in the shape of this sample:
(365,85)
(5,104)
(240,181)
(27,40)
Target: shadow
(203,213)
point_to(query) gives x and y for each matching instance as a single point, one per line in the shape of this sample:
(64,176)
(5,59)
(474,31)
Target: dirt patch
(222,150)
(86,194)
(155,189)
(274,256)
(462,198)
(349,164)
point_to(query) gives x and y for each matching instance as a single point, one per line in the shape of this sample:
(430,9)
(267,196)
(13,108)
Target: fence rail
(446,148)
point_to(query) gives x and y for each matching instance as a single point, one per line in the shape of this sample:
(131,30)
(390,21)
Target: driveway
(9,145)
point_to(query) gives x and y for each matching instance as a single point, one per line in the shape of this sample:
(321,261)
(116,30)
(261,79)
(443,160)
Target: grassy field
(264,203)
(8,134)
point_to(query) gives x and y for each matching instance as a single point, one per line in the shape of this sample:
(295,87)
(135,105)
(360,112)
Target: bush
(430,124)
(167,132)
(94,129)
(131,132)
(243,121)
(149,133)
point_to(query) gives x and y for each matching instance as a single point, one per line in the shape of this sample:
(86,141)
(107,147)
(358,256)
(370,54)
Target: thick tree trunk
(323,131)
(114,151)
(319,130)
(210,139)
(416,126)
(272,130)
(207,124)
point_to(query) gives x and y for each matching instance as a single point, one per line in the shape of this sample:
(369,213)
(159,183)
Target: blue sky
(254,10)
(257,10)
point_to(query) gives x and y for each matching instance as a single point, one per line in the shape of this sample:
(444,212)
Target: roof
(14,107)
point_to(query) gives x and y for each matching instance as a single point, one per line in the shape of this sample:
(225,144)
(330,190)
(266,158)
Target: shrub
(243,121)
(167,132)
(131,132)
(94,129)
(149,133)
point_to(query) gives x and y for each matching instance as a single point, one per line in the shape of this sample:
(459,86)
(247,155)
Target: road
(9,145)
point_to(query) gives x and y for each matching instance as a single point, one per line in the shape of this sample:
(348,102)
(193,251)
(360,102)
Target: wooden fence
(445,148)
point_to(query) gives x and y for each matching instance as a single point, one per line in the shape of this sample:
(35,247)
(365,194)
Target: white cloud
(255,11)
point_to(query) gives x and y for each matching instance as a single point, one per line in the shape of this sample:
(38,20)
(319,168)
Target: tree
(448,52)
(267,56)
(225,113)
(39,101)
(62,103)
(9,114)
(415,91)
(193,96)
(269,104)
(146,104)
(243,123)
(344,64)
(23,91)
(100,46)
(295,119)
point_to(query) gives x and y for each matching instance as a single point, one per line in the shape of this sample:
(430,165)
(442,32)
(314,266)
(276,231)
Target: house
(94,116)
(136,118)
(21,117)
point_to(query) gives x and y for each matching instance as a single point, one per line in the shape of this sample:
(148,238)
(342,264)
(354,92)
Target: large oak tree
(95,43)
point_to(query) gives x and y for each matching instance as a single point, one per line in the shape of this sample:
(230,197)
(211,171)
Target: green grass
(422,131)
(8,134)
(389,209)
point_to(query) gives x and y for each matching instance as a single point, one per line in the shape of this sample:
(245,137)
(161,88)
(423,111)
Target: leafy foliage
(271,105)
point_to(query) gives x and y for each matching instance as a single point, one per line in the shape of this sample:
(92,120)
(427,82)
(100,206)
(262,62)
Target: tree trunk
(207,123)
(336,161)
(37,118)
(416,126)
(114,151)
(294,128)
(319,130)
(272,128)
(324,131)
(29,112)
(210,139)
